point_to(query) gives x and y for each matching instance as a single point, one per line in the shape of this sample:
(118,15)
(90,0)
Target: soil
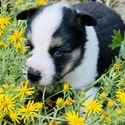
(119,6)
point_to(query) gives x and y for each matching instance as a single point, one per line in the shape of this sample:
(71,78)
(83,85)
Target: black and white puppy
(69,43)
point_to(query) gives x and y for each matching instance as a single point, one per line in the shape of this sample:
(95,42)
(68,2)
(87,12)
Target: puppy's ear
(26,14)
(86,19)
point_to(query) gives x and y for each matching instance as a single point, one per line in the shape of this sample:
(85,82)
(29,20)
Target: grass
(18,105)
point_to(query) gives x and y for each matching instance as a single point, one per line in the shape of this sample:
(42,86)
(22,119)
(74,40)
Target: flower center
(23,90)
(27,110)
(5,104)
(93,106)
(17,36)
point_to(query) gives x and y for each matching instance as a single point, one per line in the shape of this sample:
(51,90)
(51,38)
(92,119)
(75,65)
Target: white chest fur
(86,72)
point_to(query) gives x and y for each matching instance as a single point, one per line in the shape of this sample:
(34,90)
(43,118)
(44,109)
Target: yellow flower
(1,116)
(29,111)
(59,102)
(3,27)
(41,2)
(105,116)
(25,90)
(1,32)
(110,103)
(1,90)
(1,96)
(5,45)
(17,36)
(14,117)
(119,111)
(5,123)
(53,122)
(18,2)
(93,106)
(4,21)
(7,103)
(25,49)
(5,86)
(39,106)
(12,85)
(66,86)
(120,94)
(1,43)
(69,101)
(74,119)
(17,46)
(103,95)
(117,67)
(23,9)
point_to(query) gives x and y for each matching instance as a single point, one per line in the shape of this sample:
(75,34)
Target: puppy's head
(55,36)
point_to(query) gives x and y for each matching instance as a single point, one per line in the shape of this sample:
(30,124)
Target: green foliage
(118,39)
(60,111)
(118,42)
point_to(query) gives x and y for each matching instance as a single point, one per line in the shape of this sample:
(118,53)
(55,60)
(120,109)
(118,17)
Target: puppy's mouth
(49,84)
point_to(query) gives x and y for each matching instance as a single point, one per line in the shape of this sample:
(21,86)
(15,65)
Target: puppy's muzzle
(33,76)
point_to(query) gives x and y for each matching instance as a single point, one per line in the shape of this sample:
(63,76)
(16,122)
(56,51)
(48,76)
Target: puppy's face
(55,36)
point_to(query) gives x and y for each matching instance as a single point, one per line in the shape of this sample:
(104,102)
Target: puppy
(69,43)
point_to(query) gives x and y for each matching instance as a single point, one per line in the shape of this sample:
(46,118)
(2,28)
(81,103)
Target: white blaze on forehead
(45,24)
(42,28)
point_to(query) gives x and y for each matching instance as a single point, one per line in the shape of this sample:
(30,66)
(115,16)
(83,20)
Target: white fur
(43,27)
(86,73)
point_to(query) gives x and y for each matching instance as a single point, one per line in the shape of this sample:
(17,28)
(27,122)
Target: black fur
(107,21)
(71,33)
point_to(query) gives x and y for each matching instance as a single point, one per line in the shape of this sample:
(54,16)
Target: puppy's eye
(58,53)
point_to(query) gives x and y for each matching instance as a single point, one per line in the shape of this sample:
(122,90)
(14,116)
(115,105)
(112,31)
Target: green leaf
(117,40)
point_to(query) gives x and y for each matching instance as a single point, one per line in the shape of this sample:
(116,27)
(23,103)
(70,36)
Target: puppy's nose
(33,76)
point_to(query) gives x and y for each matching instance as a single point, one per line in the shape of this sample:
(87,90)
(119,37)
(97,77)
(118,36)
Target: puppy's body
(70,43)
